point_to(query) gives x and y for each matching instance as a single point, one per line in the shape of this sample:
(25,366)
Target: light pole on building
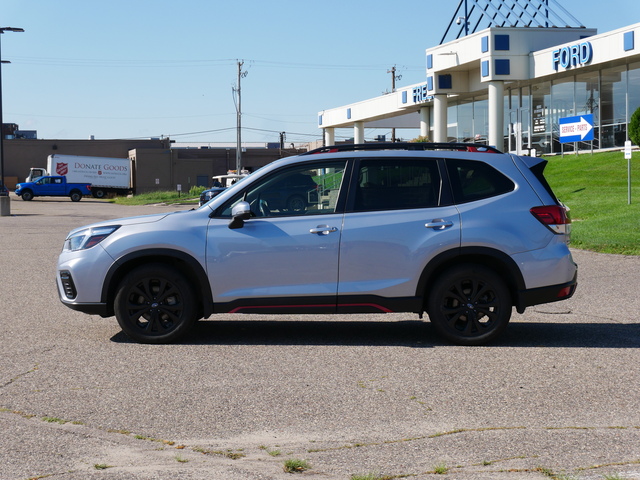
(2,30)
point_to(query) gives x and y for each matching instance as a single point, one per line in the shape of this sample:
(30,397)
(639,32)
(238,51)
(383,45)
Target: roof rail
(350,147)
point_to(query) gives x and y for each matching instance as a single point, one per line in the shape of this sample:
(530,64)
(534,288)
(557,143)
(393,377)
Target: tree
(634,127)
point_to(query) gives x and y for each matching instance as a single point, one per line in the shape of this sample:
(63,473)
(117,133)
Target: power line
(160,63)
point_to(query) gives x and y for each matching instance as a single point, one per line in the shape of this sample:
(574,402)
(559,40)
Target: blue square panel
(319,119)
(404,97)
(628,41)
(430,84)
(485,68)
(501,42)
(348,113)
(445,82)
(430,61)
(502,66)
(485,44)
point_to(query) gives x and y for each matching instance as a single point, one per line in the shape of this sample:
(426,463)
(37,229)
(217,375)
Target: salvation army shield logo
(62,168)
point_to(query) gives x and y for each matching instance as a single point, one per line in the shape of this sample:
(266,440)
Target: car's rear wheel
(469,305)
(155,304)
(75,196)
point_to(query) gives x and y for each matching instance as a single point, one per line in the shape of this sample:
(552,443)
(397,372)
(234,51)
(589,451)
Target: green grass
(594,187)
(295,465)
(192,196)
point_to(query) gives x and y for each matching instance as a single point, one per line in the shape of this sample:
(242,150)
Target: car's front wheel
(155,304)
(469,305)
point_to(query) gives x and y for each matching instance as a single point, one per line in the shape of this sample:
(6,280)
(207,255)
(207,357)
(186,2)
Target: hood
(126,221)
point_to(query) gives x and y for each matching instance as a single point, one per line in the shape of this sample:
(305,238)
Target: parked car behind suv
(459,231)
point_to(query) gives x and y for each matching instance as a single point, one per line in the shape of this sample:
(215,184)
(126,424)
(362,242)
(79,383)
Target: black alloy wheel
(469,305)
(155,304)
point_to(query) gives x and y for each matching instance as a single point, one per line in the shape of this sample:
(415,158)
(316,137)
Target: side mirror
(239,213)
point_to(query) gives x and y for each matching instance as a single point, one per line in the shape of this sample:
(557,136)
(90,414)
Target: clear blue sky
(146,68)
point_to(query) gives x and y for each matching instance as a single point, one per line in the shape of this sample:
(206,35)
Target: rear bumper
(553,293)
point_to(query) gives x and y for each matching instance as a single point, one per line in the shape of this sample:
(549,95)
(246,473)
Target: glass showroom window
(613,107)
(481,119)
(541,123)
(563,105)
(587,92)
(465,122)
(633,87)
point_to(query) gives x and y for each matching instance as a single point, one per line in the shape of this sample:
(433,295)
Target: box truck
(105,174)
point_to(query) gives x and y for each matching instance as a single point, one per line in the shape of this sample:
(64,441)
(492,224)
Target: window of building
(541,122)
(613,107)
(634,92)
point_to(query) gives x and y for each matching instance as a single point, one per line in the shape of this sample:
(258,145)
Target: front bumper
(80,276)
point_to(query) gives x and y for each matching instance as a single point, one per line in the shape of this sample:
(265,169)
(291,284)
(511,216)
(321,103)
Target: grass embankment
(593,186)
(159,197)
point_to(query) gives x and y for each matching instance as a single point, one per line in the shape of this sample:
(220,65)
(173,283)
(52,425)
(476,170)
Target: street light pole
(2,30)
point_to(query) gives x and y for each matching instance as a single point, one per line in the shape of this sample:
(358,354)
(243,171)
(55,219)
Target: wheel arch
(28,191)
(496,260)
(74,192)
(182,261)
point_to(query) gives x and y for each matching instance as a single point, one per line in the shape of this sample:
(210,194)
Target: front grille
(68,285)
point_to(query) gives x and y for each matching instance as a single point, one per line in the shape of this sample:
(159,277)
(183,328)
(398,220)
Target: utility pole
(393,89)
(238,90)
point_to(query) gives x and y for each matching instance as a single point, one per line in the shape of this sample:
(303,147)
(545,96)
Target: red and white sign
(62,168)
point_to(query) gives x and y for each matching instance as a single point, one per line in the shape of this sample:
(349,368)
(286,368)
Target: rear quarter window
(474,180)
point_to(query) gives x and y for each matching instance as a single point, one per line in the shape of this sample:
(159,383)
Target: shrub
(634,127)
(196,191)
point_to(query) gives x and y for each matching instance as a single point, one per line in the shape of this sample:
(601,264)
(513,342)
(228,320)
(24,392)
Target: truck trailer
(105,174)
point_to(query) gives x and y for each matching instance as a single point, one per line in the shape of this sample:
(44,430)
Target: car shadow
(411,333)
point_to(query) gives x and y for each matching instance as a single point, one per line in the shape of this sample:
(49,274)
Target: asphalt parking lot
(557,397)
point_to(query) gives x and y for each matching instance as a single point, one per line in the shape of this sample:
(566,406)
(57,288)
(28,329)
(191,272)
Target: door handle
(323,230)
(439,224)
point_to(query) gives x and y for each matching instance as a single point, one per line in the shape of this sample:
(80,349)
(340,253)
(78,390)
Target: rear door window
(474,180)
(396,184)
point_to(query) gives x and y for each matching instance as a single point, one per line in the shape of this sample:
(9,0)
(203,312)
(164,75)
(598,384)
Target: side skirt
(322,305)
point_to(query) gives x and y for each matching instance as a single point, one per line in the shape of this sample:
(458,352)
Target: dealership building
(513,84)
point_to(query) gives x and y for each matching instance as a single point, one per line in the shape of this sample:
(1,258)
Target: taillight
(554,217)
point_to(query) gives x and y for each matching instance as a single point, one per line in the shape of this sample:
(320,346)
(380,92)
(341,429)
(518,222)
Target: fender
(185,262)
(492,258)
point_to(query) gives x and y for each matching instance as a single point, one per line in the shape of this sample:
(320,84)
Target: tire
(99,193)
(469,305)
(27,195)
(75,196)
(296,204)
(155,304)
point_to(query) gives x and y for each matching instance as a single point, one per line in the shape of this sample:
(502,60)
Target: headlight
(88,238)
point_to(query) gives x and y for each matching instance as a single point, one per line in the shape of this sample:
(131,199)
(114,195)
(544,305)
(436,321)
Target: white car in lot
(459,231)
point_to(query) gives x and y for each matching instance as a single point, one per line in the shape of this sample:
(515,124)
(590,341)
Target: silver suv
(459,231)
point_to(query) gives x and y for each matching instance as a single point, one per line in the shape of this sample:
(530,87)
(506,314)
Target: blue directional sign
(576,129)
